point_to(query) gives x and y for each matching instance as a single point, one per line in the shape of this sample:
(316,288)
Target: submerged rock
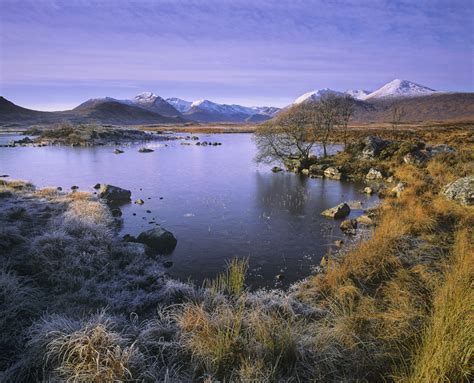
(276,169)
(461,190)
(340,211)
(114,193)
(158,239)
(118,151)
(145,150)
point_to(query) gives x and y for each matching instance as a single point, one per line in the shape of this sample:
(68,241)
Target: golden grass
(89,211)
(232,281)
(18,185)
(213,337)
(92,354)
(47,192)
(447,348)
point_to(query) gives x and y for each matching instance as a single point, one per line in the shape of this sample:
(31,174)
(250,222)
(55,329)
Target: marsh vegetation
(80,304)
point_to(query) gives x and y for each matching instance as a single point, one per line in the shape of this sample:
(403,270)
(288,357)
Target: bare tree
(286,137)
(345,107)
(398,113)
(293,133)
(326,116)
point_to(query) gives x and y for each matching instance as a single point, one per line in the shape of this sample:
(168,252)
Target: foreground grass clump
(85,352)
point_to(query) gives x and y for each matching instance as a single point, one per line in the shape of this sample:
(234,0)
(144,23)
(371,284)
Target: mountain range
(420,102)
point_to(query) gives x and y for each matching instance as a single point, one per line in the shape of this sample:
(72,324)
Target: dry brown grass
(47,192)
(94,212)
(92,354)
(447,348)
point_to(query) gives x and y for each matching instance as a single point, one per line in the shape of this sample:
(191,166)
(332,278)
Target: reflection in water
(216,200)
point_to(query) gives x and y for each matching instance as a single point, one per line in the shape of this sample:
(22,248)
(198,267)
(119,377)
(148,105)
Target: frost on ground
(78,303)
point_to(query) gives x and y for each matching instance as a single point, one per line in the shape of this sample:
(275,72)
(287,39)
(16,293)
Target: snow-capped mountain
(181,105)
(400,88)
(358,94)
(208,111)
(315,95)
(154,103)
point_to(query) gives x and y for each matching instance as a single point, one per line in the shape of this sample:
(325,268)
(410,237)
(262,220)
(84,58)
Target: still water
(216,200)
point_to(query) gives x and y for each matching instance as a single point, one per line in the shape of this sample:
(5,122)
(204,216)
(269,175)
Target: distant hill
(115,112)
(105,111)
(432,107)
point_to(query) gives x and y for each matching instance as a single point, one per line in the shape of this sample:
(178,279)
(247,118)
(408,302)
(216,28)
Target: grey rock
(374,174)
(114,193)
(145,150)
(373,146)
(333,173)
(461,190)
(368,190)
(340,211)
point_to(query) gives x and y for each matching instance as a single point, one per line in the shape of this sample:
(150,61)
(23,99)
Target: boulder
(96,186)
(276,169)
(333,173)
(158,239)
(339,242)
(340,211)
(373,146)
(139,201)
(305,172)
(374,174)
(145,150)
(461,190)
(348,226)
(114,193)
(397,190)
(118,151)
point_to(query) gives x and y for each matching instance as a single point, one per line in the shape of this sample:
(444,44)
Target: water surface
(216,200)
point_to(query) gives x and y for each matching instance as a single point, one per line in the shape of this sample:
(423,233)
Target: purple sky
(56,54)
